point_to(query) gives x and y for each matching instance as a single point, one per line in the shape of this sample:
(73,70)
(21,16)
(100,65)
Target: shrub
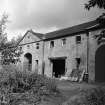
(17,84)
(51,85)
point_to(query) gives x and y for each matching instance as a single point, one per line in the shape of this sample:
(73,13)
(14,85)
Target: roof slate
(65,32)
(39,35)
(71,30)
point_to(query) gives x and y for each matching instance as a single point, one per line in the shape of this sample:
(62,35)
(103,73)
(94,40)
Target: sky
(44,15)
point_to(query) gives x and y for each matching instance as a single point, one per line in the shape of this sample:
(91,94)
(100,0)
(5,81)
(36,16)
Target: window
(28,46)
(28,37)
(20,48)
(36,66)
(78,39)
(51,44)
(37,62)
(78,60)
(37,45)
(63,41)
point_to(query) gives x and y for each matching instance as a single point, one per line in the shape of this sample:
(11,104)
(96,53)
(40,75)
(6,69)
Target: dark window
(20,48)
(78,60)
(37,45)
(36,66)
(78,39)
(37,62)
(28,37)
(28,46)
(63,41)
(51,44)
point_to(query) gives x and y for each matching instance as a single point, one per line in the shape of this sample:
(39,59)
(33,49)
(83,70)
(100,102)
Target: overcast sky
(44,15)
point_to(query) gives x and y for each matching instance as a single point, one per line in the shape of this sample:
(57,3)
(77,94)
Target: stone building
(32,47)
(59,53)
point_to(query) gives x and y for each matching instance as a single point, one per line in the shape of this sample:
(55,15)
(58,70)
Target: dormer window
(78,39)
(51,44)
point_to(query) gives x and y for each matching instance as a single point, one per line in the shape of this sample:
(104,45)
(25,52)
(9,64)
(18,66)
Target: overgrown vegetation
(94,96)
(27,88)
(17,87)
(9,52)
(99,4)
(92,3)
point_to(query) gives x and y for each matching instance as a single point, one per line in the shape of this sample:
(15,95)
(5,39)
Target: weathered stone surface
(85,50)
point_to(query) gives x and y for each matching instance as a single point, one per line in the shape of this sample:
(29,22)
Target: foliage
(10,54)
(18,87)
(100,4)
(8,50)
(16,40)
(100,38)
(93,3)
(3,34)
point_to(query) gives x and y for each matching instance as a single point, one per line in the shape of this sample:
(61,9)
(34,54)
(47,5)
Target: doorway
(28,62)
(100,64)
(58,68)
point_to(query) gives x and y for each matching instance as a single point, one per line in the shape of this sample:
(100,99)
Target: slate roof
(65,32)
(71,30)
(37,34)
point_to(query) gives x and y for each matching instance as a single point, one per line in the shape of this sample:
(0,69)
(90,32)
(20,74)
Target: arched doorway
(28,62)
(100,64)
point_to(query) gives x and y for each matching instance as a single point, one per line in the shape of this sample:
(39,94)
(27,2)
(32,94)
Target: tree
(100,4)
(16,40)
(92,3)
(9,51)
(3,34)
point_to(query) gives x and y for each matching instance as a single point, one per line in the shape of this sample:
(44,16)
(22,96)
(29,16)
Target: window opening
(37,45)
(63,41)
(78,39)
(51,44)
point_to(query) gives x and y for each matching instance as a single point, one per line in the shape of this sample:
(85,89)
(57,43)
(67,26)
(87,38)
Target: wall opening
(36,66)
(58,68)
(28,62)
(78,61)
(100,64)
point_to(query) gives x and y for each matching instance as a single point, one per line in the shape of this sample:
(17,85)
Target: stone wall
(70,50)
(85,50)
(36,55)
(35,49)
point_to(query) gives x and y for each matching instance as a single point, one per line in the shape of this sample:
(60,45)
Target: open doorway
(100,64)
(28,61)
(58,69)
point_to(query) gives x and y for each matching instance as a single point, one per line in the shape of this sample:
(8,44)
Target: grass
(82,93)
(70,92)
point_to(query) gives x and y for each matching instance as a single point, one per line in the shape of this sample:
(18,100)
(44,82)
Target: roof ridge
(35,32)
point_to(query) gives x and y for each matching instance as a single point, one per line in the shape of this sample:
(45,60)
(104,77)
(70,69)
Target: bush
(17,84)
